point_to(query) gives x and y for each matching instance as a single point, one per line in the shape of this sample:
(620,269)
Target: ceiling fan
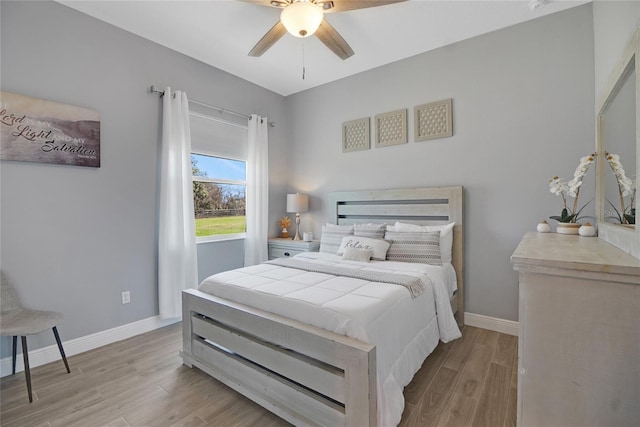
(304,18)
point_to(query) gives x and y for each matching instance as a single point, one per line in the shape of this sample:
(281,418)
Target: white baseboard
(509,327)
(51,353)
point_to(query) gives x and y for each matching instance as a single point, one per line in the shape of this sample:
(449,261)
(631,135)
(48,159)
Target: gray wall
(522,112)
(74,238)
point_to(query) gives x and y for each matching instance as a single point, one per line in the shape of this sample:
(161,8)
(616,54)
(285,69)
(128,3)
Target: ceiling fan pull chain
(303,69)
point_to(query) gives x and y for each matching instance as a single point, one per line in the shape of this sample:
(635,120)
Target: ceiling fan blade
(325,4)
(344,5)
(334,41)
(276,3)
(272,36)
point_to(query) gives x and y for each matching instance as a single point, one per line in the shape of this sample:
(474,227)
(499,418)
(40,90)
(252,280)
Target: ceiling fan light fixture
(302,18)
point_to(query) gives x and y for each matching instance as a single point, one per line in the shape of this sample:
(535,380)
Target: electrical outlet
(126,297)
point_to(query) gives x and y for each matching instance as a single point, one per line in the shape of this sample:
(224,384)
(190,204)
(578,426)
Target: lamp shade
(297,203)
(302,18)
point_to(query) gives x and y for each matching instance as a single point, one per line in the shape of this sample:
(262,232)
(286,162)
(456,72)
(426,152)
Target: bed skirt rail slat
(285,399)
(310,373)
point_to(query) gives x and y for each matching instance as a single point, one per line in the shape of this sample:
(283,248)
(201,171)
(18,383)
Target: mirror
(617,133)
(619,139)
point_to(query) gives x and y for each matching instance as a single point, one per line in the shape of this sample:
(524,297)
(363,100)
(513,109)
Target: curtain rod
(154,89)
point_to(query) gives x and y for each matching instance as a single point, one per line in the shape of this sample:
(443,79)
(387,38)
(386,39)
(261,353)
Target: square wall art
(356,135)
(433,120)
(391,128)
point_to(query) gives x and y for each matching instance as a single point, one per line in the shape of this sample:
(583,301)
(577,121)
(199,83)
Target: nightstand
(284,248)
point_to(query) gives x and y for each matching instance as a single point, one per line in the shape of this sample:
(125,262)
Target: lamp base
(297,236)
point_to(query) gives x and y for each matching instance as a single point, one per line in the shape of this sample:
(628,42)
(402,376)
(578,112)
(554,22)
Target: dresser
(579,332)
(283,248)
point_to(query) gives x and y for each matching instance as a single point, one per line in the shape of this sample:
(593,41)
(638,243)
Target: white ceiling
(221,33)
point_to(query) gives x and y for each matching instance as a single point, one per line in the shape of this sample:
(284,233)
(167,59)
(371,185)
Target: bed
(338,366)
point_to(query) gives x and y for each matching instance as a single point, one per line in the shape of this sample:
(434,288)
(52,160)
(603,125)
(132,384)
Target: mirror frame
(624,238)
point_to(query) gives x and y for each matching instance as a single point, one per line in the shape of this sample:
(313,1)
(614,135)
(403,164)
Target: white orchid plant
(626,188)
(564,189)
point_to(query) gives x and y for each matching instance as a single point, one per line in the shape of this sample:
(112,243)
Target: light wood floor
(141,382)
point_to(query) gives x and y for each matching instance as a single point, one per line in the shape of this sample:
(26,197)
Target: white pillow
(446,236)
(404,227)
(378,246)
(354,254)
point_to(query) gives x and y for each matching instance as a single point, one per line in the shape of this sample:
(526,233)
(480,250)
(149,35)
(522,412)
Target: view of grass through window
(219,188)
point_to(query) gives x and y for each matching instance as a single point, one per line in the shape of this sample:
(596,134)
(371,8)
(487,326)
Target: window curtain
(177,257)
(255,245)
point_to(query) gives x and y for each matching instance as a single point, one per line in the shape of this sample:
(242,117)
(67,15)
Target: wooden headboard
(422,206)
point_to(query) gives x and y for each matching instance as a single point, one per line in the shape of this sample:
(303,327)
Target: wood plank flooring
(142,382)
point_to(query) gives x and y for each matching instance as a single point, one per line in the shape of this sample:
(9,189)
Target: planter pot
(567,228)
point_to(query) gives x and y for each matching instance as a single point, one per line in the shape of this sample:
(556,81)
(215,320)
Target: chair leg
(64,358)
(27,371)
(13,355)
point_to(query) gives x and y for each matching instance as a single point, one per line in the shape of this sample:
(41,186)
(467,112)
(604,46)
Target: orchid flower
(557,186)
(571,188)
(626,187)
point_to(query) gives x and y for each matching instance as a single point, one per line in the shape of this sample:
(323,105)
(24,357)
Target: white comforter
(404,330)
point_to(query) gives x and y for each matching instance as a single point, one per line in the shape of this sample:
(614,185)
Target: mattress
(405,330)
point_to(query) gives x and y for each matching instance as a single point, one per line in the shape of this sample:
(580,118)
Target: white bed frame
(304,374)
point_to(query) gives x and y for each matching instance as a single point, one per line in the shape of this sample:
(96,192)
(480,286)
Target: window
(219,188)
(218,160)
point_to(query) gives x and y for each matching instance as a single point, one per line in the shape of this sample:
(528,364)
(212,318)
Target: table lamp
(297,203)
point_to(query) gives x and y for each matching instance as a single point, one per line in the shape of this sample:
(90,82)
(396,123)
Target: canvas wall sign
(36,130)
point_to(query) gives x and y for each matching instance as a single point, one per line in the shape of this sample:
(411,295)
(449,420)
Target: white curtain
(255,245)
(177,258)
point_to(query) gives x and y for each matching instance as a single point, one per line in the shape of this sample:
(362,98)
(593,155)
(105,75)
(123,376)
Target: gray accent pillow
(417,247)
(355,254)
(332,237)
(372,231)
(446,236)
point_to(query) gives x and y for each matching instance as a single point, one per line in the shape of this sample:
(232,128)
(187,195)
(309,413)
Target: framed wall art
(356,135)
(433,120)
(37,130)
(391,128)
